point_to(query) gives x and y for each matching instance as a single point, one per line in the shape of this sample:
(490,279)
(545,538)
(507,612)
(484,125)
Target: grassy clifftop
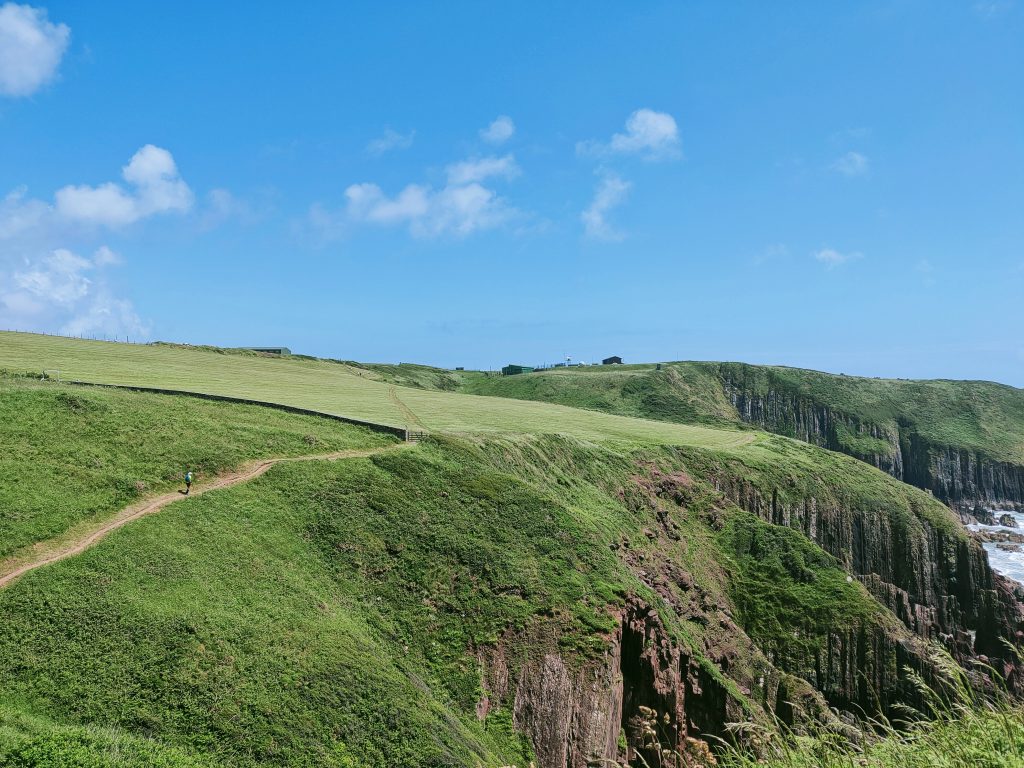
(515,589)
(980,416)
(366,612)
(963,440)
(678,392)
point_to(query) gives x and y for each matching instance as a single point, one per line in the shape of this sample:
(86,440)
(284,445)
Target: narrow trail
(411,417)
(54,550)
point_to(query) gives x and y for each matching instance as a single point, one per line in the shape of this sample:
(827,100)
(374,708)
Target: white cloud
(31,48)
(649,134)
(833,258)
(851,164)
(367,202)
(156,188)
(106,315)
(45,284)
(469,171)
(462,206)
(463,210)
(391,139)
(107,204)
(18,215)
(104,257)
(610,193)
(457,209)
(58,278)
(499,131)
(221,205)
(66,291)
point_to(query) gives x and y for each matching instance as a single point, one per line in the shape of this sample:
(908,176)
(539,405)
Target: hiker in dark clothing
(188,482)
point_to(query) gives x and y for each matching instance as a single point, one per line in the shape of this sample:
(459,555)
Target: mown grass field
(72,455)
(334,388)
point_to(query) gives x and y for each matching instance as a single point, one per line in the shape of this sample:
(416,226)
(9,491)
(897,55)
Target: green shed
(512,370)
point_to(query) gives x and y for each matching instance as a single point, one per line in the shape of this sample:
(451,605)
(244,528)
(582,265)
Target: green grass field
(978,416)
(73,455)
(326,614)
(333,388)
(679,393)
(339,614)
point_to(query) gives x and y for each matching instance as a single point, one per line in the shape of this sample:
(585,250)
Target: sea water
(1010,564)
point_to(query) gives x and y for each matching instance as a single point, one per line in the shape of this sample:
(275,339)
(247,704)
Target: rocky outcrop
(938,584)
(956,476)
(579,713)
(585,708)
(963,477)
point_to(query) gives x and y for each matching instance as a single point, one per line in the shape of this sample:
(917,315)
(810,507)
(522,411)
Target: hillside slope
(71,455)
(962,440)
(489,600)
(512,591)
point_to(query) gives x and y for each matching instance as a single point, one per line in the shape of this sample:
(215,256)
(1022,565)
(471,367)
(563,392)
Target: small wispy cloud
(220,206)
(611,192)
(457,210)
(832,258)
(463,206)
(389,140)
(649,134)
(773,252)
(851,164)
(500,131)
(990,9)
(468,171)
(105,257)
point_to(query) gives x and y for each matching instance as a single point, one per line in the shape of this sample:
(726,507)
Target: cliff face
(578,715)
(578,712)
(956,476)
(940,586)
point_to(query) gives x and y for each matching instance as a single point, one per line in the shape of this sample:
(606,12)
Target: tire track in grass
(54,550)
(411,417)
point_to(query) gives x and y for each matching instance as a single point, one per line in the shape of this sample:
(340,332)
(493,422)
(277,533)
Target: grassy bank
(405,608)
(73,454)
(333,614)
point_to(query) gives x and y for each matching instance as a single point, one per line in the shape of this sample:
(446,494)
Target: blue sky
(828,185)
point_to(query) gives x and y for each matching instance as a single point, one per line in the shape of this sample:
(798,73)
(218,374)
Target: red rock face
(574,714)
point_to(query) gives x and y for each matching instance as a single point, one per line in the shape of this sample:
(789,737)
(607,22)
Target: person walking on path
(188,481)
